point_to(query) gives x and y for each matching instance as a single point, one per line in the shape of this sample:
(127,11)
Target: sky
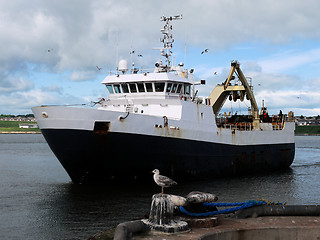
(49,50)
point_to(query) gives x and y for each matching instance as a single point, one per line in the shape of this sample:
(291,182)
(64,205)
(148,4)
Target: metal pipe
(279,210)
(125,230)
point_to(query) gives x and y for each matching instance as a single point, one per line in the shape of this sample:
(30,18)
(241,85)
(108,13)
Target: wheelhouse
(153,86)
(149,87)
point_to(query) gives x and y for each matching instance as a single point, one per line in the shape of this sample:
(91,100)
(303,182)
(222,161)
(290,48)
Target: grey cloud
(83,32)
(82,75)
(14,83)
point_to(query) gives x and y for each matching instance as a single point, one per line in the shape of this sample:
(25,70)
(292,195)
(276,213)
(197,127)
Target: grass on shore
(309,130)
(13,126)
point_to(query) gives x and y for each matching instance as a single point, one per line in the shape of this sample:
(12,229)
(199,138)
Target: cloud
(291,60)
(293,98)
(82,34)
(21,102)
(14,83)
(82,75)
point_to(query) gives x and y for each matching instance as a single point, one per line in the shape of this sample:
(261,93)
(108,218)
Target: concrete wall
(288,233)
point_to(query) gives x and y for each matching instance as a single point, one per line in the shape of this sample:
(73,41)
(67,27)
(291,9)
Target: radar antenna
(167,38)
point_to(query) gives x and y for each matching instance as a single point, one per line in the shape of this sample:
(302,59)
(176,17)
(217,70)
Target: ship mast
(167,39)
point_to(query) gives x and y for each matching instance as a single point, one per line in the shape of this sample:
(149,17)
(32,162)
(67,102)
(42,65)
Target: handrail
(248,126)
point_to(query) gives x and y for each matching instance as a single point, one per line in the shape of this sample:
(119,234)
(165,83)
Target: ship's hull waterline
(90,156)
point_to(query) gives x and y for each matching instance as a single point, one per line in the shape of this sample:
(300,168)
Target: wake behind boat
(155,120)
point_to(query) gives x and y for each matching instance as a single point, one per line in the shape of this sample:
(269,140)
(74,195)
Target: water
(38,200)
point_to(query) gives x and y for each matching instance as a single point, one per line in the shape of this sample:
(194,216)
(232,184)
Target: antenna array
(167,38)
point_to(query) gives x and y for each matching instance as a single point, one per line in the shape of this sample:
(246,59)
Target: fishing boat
(156,120)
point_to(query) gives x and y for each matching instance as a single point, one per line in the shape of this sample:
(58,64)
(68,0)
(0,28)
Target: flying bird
(99,68)
(132,52)
(205,51)
(50,50)
(162,181)
(139,55)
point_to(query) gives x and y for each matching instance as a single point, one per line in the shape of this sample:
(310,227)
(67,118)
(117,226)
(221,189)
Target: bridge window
(169,85)
(187,89)
(179,88)
(133,88)
(110,89)
(125,88)
(149,87)
(174,88)
(117,88)
(140,87)
(159,87)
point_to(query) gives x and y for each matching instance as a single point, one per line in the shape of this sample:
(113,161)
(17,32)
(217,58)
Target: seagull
(132,52)
(99,68)
(162,181)
(205,51)
(139,55)
(50,50)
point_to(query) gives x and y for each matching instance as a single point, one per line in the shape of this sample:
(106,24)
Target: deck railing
(277,124)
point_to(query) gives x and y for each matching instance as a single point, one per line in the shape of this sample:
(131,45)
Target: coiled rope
(239,206)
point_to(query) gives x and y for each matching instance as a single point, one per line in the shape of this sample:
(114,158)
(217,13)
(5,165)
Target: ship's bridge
(160,85)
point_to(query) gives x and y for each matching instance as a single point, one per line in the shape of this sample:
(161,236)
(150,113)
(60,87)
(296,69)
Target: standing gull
(162,181)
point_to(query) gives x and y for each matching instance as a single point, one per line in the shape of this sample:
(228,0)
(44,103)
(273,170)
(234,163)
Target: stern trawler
(155,120)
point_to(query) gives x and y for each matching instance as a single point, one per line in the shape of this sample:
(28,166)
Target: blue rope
(240,205)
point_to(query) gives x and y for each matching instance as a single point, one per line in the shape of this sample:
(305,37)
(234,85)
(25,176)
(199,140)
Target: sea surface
(39,201)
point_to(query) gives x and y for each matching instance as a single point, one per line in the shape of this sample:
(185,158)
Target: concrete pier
(285,222)
(260,228)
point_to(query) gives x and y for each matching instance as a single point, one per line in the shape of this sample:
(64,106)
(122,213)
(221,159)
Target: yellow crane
(221,92)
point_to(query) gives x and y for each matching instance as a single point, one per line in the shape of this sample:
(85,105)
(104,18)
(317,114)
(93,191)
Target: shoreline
(306,134)
(17,132)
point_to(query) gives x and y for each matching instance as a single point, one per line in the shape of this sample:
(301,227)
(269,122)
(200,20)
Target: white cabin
(148,85)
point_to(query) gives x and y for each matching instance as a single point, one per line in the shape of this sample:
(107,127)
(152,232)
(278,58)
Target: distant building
(28,126)
(301,123)
(307,121)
